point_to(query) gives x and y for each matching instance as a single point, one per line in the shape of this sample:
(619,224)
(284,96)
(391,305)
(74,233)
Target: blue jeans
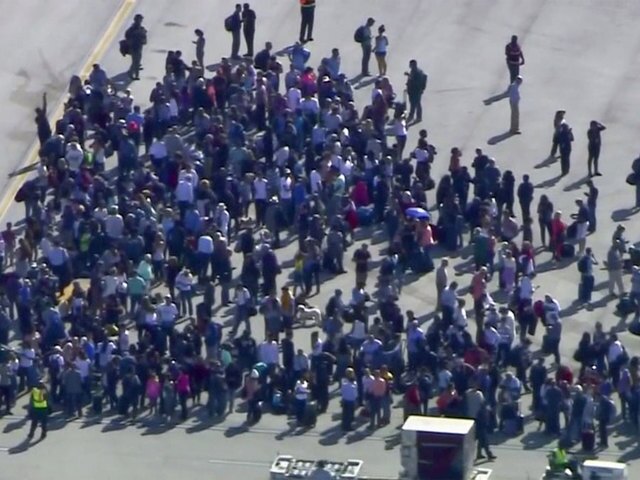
(241,315)
(386,408)
(374,411)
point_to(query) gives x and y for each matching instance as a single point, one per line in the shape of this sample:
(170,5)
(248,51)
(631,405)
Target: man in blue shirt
(349,394)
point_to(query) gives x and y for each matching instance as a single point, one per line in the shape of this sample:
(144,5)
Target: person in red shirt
(564,374)
(514,57)
(412,401)
(558,229)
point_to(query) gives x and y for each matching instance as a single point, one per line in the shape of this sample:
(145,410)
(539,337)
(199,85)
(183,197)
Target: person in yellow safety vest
(558,460)
(307,11)
(39,410)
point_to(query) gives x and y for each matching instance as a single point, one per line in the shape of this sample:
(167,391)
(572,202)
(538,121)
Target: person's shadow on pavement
(496,98)
(22,446)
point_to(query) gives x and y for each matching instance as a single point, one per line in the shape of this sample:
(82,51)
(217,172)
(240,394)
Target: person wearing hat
(38,410)
(136,38)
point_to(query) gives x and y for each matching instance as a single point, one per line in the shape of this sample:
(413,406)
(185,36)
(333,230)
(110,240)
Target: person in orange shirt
(377,391)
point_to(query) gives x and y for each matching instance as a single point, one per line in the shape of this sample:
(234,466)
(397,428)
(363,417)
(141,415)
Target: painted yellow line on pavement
(103,43)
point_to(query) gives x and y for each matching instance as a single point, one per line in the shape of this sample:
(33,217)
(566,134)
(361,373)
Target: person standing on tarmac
(307,13)
(38,410)
(416,85)
(248,28)
(366,42)
(136,37)
(233,24)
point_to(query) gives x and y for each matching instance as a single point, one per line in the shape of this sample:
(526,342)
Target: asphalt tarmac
(581,56)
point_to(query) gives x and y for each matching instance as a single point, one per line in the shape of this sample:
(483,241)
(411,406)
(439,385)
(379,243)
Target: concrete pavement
(580,55)
(44,47)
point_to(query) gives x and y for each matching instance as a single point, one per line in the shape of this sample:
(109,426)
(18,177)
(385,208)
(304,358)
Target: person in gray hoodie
(72,388)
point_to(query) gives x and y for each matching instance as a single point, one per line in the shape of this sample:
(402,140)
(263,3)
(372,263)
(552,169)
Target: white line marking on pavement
(241,463)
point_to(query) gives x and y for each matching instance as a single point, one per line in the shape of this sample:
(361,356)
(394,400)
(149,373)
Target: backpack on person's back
(228,23)
(359,34)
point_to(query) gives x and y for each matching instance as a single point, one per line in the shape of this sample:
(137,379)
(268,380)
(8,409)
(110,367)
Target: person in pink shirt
(479,293)
(152,391)
(183,388)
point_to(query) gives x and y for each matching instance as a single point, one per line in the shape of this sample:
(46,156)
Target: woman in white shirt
(83,364)
(380,50)
(400,131)
(184,284)
(26,357)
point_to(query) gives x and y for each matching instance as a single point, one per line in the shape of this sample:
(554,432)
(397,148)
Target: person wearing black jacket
(605,413)
(136,37)
(233,24)
(565,138)
(482,433)
(261,62)
(594,146)
(525,197)
(248,27)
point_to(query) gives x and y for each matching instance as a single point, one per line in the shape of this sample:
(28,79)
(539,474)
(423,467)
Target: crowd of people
(112,287)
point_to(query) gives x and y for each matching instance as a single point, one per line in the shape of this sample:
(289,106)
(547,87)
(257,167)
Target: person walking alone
(248,28)
(136,37)
(558,119)
(381,43)
(199,42)
(307,13)
(514,104)
(514,57)
(595,143)
(416,85)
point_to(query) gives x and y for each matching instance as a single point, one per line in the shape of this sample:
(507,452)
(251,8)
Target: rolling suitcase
(548,344)
(310,416)
(568,250)
(96,404)
(625,306)
(365,216)
(510,427)
(588,439)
